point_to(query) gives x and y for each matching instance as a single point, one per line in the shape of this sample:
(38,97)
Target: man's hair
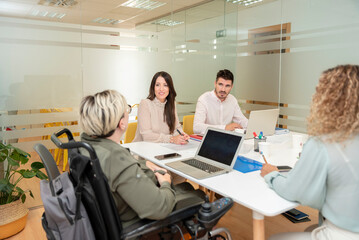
(335,104)
(225,74)
(101,113)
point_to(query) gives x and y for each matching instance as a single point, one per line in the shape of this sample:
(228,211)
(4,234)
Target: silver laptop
(216,154)
(262,121)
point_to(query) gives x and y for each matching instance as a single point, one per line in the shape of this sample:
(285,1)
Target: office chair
(188,124)
(198,218)
(130,132)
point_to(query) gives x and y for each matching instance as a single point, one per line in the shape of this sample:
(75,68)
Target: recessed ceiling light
(37,13)
(63,3)
(106,20)
(166,22)
(143,4)
(245,2)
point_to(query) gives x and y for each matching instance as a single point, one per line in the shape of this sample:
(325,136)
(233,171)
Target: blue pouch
(245,165)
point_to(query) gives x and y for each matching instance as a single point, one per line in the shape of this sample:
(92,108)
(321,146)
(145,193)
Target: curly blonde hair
(335,105)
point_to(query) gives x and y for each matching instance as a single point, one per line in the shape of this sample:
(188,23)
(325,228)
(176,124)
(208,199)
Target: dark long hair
(169,114)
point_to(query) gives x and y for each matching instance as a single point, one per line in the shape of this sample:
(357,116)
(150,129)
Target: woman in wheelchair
(139,188)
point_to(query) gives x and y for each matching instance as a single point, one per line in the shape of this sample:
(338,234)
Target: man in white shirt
(218,108)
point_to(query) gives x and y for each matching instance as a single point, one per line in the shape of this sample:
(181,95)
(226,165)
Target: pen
(264,158)
(255,134)
(180,133)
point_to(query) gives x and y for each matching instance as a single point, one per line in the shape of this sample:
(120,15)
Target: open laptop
(262,121)
(216,154)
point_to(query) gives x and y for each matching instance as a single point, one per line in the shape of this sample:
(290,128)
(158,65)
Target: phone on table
(284,168)
(296,214)
(167,156)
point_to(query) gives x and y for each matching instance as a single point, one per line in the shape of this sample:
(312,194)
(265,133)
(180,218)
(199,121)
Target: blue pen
(261,134)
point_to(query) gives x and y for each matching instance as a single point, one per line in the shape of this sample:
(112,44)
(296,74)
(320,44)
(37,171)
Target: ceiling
(111,13)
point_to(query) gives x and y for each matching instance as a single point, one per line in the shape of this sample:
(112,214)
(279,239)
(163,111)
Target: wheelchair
(195,221)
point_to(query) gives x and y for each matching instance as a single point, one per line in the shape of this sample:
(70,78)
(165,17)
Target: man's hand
(267,168)
(232,126)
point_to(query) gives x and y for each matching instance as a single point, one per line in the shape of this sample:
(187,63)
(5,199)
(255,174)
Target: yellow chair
(57,153)
(188,124)
(130,132)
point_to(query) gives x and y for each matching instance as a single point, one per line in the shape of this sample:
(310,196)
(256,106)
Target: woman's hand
(153,166)
(163,178)
(179,139)
(267,168)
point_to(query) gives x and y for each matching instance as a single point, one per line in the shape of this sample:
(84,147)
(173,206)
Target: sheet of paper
(178,148)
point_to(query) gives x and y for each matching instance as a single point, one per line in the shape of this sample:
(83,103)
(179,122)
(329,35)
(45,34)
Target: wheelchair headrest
(71,142)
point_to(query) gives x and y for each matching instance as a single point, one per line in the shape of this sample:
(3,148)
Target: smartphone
(167,156)
(296,214)
(284,168)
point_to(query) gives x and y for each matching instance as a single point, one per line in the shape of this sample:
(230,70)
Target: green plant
(9,191)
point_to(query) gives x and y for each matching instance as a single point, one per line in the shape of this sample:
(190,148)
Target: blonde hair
(101,113)
(335,105)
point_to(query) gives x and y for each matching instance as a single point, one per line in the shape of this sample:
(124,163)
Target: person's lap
(186,195)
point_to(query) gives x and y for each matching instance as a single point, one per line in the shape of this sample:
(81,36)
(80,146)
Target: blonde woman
(327,175)
(138,189)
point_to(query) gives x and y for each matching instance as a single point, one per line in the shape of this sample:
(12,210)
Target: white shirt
(212,112)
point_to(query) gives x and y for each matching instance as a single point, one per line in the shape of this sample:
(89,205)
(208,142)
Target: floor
(238,220)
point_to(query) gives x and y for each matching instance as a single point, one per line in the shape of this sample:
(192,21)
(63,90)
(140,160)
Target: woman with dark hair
(157,115)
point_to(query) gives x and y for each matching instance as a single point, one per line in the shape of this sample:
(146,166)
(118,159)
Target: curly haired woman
(326,177)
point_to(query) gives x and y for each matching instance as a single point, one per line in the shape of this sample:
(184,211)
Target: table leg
(258,226)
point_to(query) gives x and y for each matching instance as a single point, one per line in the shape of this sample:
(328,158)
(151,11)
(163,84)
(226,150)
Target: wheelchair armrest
(146,226)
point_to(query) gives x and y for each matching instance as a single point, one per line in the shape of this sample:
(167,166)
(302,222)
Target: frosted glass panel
(201,49)
(258,77)
(41,79)
(323,34)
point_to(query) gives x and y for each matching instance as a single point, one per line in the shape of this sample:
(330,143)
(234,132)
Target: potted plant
(13,212)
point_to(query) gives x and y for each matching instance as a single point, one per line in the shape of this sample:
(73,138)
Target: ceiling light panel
(166,22)
(143,4)
(245,2)
(106,20)
(62,3)
(37,13)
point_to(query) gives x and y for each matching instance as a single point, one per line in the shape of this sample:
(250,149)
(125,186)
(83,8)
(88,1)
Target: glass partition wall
(276,49)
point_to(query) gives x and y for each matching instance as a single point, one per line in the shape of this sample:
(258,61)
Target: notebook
(262,121)
(216,154)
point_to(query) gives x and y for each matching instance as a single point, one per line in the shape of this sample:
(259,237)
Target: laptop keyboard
(202,165)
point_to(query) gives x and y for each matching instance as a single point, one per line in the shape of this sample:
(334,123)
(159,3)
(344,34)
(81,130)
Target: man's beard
(219,94)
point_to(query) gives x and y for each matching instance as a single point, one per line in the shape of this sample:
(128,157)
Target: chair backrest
(130,132)
(188,124)
(96,197)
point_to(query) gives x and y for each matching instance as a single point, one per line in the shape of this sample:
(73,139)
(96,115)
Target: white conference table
(247,189)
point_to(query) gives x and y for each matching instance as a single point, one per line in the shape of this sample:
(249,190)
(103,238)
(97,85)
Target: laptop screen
(219,147)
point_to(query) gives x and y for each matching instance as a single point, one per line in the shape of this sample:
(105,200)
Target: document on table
(175,147)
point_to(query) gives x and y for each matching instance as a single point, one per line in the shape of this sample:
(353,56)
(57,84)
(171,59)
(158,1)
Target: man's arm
(238,116)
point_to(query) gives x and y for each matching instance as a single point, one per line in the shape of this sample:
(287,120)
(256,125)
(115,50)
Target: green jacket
(132,183)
